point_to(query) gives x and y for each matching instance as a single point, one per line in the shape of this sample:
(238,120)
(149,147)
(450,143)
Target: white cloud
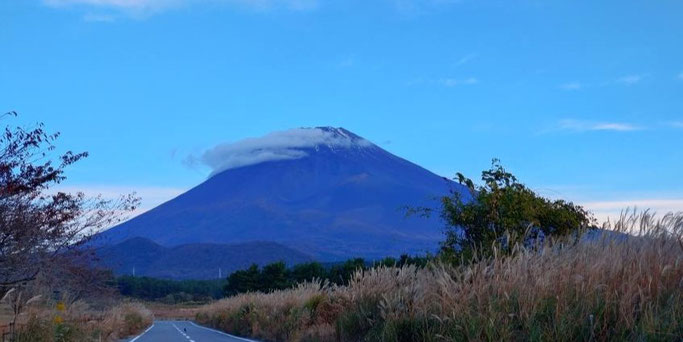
(146,6)
(571,86)
(136,5)
(631,79)
(677,124)
(452,82)
(583,126)
(283,145)
(611,210)
(151,196)
(680,76)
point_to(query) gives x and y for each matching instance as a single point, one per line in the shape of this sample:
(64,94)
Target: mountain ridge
(143,257)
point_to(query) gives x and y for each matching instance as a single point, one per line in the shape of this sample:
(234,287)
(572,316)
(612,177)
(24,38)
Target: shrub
(502,213)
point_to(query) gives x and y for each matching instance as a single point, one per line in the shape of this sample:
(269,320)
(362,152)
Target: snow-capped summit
(282,145)
(342,133)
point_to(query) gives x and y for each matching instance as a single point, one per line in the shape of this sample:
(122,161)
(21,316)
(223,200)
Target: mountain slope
(143,257)
(330,200)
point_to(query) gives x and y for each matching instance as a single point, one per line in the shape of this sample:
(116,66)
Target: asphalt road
(183,331)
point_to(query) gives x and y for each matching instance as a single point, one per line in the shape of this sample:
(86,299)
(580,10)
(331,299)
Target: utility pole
(220,273)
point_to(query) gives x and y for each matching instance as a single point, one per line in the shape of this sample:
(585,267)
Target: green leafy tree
(503,212)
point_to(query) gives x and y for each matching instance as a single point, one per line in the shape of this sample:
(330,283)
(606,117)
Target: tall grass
(80,323)
(610,288)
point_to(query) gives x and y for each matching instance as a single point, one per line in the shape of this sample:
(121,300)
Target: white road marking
(222,333)
(148,329)
(181,332)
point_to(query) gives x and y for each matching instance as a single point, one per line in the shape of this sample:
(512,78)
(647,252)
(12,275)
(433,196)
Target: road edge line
(220,332)
(144,332)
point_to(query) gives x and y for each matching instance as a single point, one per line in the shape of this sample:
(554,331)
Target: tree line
(270,277)
(170,291)
(277,276)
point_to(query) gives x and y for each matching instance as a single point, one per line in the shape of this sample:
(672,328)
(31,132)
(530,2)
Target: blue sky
(581,99)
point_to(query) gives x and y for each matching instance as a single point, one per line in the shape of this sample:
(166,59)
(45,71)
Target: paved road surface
(183,331)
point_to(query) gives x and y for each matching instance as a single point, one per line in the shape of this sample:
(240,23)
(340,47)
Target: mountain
(143,257)
(324,191)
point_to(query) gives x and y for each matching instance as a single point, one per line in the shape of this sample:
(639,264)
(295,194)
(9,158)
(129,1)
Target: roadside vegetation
(81,322)
(270,277)
(605,290)
(513,267)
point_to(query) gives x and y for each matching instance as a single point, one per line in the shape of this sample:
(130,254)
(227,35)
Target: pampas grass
(82,324)
(613,287)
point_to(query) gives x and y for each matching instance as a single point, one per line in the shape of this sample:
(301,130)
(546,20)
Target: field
(607,290)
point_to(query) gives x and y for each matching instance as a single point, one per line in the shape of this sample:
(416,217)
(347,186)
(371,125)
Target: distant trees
(170,291)
(277,276)
(244,280)
(502,213)
(40,226)
(308,271)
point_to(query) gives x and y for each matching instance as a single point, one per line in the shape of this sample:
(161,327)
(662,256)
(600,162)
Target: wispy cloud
(466,59)
(346,62)
(151,196)
(452,82)
(676,124)
(99,18)
(571,86)
(680,76)
(150,6)
(127,5)
(281,145)
(631,79)
(421,6)
(584,126)
(144,8)
(611,210)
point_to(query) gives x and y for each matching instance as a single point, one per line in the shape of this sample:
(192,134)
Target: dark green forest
(274,276)
(170,291)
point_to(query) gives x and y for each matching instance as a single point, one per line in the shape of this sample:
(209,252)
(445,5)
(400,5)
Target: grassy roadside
(81,323)
(605,290)
(162,311)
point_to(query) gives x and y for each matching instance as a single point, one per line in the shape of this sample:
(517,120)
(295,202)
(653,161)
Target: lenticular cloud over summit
(282,145)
